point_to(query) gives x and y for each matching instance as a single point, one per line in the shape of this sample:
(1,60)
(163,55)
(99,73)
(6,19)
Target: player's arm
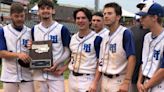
(9,54)
(129,47)
(3,48)
(65,34)
(157,77)
(61,70)
(95,82)
(140,80)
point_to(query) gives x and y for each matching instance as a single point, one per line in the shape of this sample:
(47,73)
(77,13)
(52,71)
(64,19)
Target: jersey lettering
(112,47)
(156,54)
(24,42)
(87,47)
(54,38)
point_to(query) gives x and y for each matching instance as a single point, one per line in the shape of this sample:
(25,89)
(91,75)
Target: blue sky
(129,5)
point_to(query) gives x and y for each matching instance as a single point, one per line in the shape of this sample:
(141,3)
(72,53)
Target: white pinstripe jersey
(15,42)
(83,57)
(152,54)
(52,33)
(103,33)
(112,54)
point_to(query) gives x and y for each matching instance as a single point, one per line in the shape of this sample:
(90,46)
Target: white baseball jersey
(52,33)
(83,57)
(113,56)
(103,33)
(15,42)
(152,54)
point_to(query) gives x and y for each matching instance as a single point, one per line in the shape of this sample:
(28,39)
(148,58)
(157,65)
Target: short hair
(86,11)
(98,14)
(117,7)
(16,8)
(159,20)
(45,3)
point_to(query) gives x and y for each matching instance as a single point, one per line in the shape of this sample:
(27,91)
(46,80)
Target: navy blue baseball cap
(152,9)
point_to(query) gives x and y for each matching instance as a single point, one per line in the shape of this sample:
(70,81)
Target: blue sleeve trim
(128,43)
(162,61)
(65,34)
(97,44)
(32,34)
(2,40)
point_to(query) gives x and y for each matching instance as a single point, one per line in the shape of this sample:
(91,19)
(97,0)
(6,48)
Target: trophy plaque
(41,54)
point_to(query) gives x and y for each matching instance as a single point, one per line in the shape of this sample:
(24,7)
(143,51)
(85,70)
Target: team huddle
(101,56)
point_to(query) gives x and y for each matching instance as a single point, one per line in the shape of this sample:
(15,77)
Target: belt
(21,81)
(78,74)
(145,77)
(111,76)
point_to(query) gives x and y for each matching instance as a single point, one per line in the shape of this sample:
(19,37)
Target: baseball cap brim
(141,14)
(140,5)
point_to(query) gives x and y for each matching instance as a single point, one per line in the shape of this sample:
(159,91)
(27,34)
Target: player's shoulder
(58,24)
(27,28)
(148,35)
(6,26)
(36,26)
(1,30)
(128,32)
(74,35)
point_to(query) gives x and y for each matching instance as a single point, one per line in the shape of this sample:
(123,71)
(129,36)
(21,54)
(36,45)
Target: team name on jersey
(156,54)
(87,47)
(54,38)
(112,47)
(24,42)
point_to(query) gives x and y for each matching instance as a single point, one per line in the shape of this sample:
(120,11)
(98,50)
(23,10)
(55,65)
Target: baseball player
(13,39)
(84,46)
(98,27)
(138,32)
(117,52)
(98,24)
(150,76)
(50,79)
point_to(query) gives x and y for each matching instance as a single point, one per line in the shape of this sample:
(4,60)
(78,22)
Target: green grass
(66,74)
(1,86)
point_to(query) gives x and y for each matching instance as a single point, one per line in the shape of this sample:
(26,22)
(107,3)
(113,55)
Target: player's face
(45,12)
(97,23)
(110,16)
(18,19)
(82,21)
(146,21)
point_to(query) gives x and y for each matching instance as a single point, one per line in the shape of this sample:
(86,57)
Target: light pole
(96,5)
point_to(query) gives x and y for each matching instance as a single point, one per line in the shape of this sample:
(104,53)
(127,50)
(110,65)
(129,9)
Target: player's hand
(29,44)
(51,69)
(59,71)
(124,87)
(24,57)
(140,87)
(93,87)
(144,88)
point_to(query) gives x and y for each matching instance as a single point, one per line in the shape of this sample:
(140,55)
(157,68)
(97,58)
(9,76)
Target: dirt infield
(66,87)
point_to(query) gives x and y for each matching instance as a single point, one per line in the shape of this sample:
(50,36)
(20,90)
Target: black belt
(145,77)
(78,74)
(111,76)
(20,81)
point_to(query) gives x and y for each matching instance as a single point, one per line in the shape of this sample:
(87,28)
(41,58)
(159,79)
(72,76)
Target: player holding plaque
(13,47)
(41,54)
(50,80)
